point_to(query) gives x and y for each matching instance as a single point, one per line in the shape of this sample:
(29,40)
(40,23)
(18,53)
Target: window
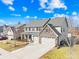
(59,29)
(46,30)
(26,36)
(33,29)
(62,30)
(22,36)
(30,37)
(37,29)
(26,29)
(17,29)
(29,29)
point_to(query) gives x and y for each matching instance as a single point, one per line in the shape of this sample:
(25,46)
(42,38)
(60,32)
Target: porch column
(28,38)
(32,38)
(21,37)
(24,36)
(40,40)
(57,42)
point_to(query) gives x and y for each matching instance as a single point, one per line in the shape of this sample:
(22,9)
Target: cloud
(48,11)
(24,9)
(32,1)
(2,21)
(27,20)
(75,20)
(60,15)
(42,3)
(11,8)
(30,17)
(74,13)
(27,17)
(35,17)
(8,2)
(15,15)
(10,23)
(52,4)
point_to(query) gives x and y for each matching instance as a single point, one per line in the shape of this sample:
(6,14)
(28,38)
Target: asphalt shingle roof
(39,23)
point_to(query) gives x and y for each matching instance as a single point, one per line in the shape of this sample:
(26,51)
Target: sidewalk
(3,52)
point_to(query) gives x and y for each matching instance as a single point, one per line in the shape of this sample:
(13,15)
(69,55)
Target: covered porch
(27,37)
(30,37)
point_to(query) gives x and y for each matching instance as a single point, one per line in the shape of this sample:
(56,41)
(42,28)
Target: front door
(30,38)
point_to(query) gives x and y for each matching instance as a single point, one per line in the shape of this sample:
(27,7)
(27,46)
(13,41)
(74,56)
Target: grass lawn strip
(12,45)
(62,53)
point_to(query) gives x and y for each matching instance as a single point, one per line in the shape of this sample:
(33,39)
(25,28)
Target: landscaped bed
(11,45)
(63,53)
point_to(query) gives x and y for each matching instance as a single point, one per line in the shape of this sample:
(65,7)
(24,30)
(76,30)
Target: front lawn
(63,53)
(12,44)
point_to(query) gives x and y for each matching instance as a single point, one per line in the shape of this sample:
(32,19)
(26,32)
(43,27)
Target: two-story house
(11,33)
(8,31)
(32,30)
(42,30)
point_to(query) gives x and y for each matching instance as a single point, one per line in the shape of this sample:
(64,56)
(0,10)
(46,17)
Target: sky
(14,11)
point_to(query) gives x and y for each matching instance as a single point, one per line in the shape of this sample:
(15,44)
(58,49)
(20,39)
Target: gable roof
(37,23)
(20,25)
(58,21)
(13,29)
(52,28)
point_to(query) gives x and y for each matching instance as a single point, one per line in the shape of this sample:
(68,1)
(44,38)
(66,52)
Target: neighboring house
(11,33)
(8,31)
(46,29)
(1,30)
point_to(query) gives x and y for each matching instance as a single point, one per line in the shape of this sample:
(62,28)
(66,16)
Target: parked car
(3,38)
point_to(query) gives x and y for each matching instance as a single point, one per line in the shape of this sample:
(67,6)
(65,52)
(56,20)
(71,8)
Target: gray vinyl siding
(48,33)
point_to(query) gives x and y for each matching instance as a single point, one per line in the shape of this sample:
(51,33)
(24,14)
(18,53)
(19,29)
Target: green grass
(62,53)
(12,45)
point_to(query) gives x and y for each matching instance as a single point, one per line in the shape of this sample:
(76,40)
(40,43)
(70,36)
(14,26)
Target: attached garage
(44,40)
(49,34)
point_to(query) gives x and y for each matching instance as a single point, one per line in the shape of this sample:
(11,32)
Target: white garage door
(48,41)
(45,40)
(36,39)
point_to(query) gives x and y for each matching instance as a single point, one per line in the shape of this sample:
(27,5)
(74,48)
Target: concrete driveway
(31,51)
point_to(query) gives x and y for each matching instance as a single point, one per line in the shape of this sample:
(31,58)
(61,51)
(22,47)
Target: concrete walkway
(31,51)
(3,52)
